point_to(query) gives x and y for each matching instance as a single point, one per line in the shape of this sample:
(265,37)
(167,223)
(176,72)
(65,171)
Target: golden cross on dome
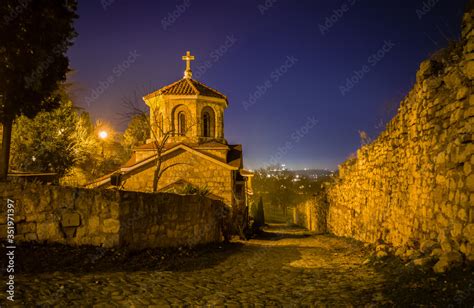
(188,58)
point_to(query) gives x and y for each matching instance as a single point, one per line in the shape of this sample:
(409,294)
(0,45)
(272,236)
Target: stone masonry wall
(415,183)
(165,220)
(312,214)
(303,214)
(197,171)
(109,218)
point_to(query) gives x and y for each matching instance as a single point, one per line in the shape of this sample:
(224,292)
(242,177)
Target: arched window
(181,124)
(206,124)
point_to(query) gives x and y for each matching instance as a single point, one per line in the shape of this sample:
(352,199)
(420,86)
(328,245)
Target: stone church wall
(415,183)
(198,171)
(109,218)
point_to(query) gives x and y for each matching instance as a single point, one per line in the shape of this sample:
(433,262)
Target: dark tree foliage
(34,38)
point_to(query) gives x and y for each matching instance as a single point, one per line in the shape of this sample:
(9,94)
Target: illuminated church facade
(187,136)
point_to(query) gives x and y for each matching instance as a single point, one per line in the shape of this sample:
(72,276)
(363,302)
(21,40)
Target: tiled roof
(187,86)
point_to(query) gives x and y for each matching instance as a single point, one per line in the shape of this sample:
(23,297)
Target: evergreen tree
(260,215)
(34,39)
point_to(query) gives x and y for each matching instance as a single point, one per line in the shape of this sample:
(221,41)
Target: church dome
(187,111)
(187,86)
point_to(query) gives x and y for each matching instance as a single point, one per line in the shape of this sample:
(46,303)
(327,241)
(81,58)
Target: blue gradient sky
(276,127)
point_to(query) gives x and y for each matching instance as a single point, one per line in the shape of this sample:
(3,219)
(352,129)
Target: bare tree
(364,138)
(158,134)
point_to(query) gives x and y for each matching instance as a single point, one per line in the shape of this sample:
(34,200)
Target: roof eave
(196,97)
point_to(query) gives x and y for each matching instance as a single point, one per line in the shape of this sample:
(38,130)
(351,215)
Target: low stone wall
(312,214)
(109,218)
(415,183)
(165,220)
(303,214)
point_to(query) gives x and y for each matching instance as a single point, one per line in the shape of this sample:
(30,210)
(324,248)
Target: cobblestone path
(287,267)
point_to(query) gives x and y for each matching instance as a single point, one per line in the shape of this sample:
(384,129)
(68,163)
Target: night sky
(302,77)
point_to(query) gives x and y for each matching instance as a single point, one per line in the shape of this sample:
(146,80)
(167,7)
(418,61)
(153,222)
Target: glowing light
(103,134)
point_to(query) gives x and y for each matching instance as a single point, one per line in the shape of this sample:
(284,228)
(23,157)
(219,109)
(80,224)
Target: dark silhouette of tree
(34,39)
(260,214)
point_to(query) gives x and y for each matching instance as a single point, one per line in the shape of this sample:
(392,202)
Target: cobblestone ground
(286,267)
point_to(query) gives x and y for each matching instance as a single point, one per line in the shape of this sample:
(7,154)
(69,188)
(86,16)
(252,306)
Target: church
(187,146)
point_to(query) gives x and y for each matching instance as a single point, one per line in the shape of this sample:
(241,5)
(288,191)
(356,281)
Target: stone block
(462,93)
(453,80)
(468,232)
(469,69)
(381,254)
(48,231)
(470,182)
(31,237)
(427,246)
(467,248)
(400,251)
(448,261)
(412,254)
(20,218)
(110,226)
(23,228)
(422,261)
(70,220)
(426,69)
(170,233)
(69,232)
(93,225)
(114,212)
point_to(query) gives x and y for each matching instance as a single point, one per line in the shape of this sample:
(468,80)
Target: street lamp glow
(103,134)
